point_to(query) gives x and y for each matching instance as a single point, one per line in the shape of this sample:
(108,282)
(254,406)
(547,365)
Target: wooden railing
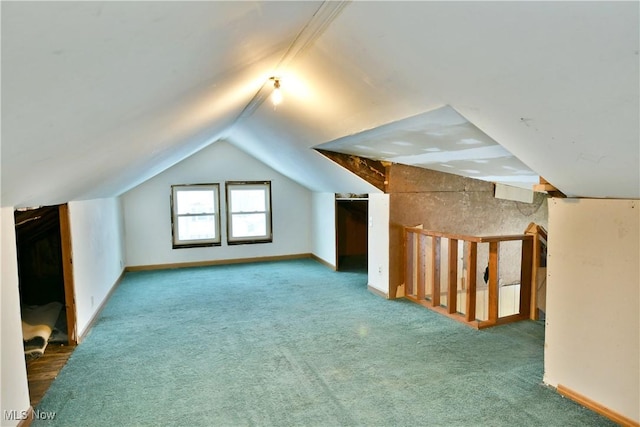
(463,293)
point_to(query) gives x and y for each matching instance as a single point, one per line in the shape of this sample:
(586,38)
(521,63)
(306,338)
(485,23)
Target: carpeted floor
(295,344)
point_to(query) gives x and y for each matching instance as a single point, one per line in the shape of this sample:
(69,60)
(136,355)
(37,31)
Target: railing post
(535,264)
(472,271)
(435,271)
(526,266)
(452,289)
(493,282)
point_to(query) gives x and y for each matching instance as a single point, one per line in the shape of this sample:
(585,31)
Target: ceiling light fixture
(276,95)
(326,13)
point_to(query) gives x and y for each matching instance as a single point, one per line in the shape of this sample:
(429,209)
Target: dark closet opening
(47,304)
(39,256)
(44,269)
(352,234)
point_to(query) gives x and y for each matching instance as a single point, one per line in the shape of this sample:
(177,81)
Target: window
(248,212)
(195,215)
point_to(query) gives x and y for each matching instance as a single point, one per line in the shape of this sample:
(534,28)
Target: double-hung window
(195,215)
(248,212)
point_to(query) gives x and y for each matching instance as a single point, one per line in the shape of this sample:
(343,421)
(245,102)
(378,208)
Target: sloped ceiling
(440,140)
(97,97)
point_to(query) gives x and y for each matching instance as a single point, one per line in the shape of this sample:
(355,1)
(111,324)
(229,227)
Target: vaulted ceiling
(98,97)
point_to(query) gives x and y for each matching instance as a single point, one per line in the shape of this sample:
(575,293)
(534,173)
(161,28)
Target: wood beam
(67,273)
(372,171)
(546,187)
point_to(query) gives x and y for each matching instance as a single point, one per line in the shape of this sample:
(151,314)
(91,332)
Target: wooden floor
(42,371)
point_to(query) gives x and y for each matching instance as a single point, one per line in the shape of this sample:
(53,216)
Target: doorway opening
(352,238)
(47,303)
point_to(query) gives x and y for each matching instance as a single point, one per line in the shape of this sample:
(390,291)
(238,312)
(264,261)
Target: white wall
(323,206)
(378,258)
(147,210)
(592,343)
(98,253)
(14,394)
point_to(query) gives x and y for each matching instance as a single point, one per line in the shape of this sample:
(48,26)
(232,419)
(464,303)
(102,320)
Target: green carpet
(295,344)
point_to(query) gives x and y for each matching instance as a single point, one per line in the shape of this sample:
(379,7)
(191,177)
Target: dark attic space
(41,279)
(352,232)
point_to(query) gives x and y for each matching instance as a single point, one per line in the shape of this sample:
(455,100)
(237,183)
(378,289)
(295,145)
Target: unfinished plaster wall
(452,204)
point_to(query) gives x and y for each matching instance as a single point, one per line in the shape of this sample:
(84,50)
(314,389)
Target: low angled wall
(592,342)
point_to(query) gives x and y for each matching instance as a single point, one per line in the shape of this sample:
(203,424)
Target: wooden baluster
(452,289)
(493,282)
(408,263)
(435,271)
(472,271)
(422,242)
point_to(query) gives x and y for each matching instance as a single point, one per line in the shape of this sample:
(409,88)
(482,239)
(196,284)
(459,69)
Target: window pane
(200,201)
(248,212)
(248,225)
(245,200)
(197,227)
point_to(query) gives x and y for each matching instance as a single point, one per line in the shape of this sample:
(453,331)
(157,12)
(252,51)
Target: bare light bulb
(276,95)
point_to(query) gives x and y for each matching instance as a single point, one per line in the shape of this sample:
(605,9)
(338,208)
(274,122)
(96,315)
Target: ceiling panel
(442,140)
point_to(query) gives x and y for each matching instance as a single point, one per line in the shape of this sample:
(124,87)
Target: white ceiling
(97,97)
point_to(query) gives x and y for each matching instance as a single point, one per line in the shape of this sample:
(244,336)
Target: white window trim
(268,236)
(179,244)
